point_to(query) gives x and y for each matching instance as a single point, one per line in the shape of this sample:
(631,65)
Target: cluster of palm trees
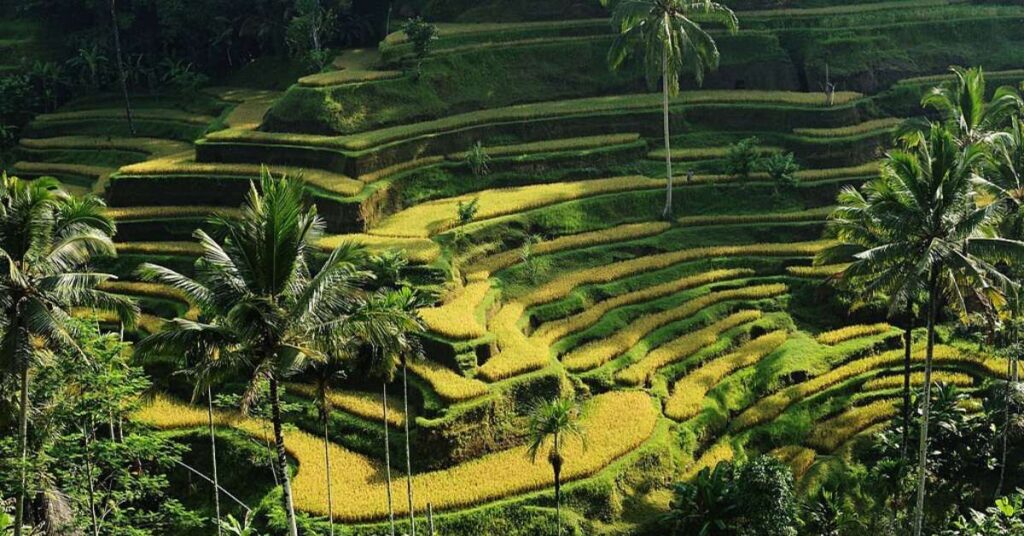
(941,225)
(264,307)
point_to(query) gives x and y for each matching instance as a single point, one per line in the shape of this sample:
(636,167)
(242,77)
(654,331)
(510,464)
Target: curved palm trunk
(922,452)
(282,457)
(408,455)
(1011,377)
(327,460)
(120,67)
(19,509)
(667,213)
(387,458)
(213,454)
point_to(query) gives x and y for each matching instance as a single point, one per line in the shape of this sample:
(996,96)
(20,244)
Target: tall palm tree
(965,108)
(47,239)
(557,420)
(671,43)
(856,228)
(325,373)
(1004,176)
(269,308)
(384,365)
(937,238)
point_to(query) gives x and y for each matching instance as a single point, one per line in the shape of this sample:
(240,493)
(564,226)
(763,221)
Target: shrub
(782,168)
(478,160)
(467,210)
(742,158)
(422,35)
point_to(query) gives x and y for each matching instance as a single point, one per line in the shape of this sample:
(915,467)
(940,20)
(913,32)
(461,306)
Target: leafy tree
(47,239)
(743,157)
(935,238)
(825,514)
(1006,517)
(782,168)
(266,303)
(671,43)
(705,506)
(964,107)
(422,35)
(556,420)
(768,503)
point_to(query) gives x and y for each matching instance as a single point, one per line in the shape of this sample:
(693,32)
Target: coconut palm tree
(671,42)
(557,420)
(936,238)
(325,373)
(47,239)
(268,307)
(856,228)
(1004,176)
(964,107)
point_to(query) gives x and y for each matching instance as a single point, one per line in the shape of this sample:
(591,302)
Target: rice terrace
(511,267)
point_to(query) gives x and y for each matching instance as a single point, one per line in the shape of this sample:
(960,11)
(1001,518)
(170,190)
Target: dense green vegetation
(511,267)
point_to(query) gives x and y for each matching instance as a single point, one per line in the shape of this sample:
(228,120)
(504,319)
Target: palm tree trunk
(282,457)
(1010,377)
(557,466)
(387,459)
(908,333)
(19,509)
(120,67)
(667,213)
(327,460)
(213,454)
(922,452)
(92,487)
(408,455)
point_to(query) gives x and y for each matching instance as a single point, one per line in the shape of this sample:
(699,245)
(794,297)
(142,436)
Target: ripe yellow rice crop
(874,125)
(346,76)
(797,457)
(160,248)
(365,405)
(402,167)
(548,146)
(917,379)
(148,114)
(153,146)
(846,333)
(614,423)
(830,434)
(688,393)
(827,270)
(555,330)
(681,348)
(629,231)
(56,168)
(184,164)
(804,176)
(417,250)
(148,323)
(140,288)
(561,286)
(519,353)
(770,407)
(165,212)
(599,352)
(721,451)
(448,384)
(458,318)
(814,214)
(426,219)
